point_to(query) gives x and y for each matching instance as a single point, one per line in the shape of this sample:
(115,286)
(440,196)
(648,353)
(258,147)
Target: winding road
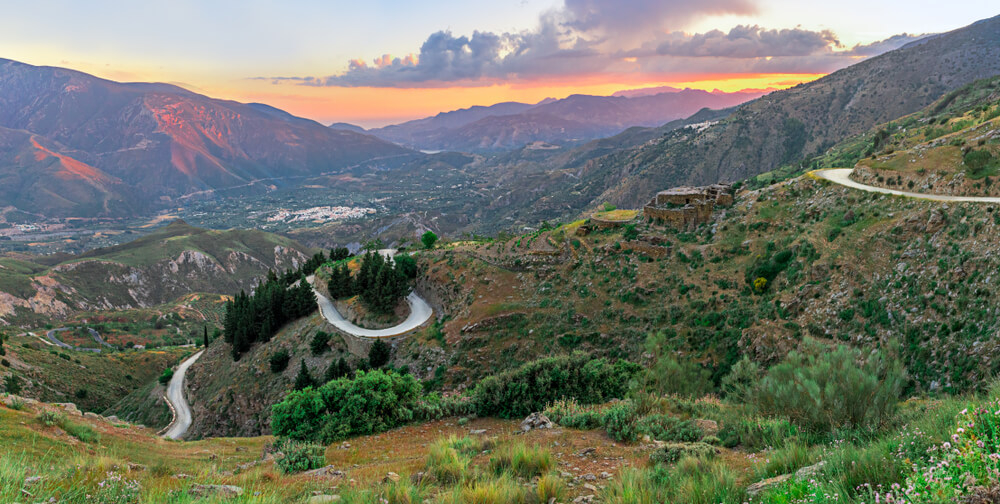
(51,335)
(842,176)
(420,313)
(179,405)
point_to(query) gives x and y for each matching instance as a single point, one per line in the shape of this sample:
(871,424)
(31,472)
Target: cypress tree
(303,379)
(378,354)
(206,336)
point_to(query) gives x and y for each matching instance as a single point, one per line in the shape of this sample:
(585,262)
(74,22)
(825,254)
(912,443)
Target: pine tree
(303,379)
(378,354)
(337,369)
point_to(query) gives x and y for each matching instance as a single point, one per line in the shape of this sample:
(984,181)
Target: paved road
(175,394)
(51,335)
(420,313)
(842,176)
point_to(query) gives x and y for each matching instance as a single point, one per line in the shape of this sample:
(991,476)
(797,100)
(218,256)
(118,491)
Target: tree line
(252,318)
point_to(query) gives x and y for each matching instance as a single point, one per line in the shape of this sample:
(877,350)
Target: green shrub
(297,456)
(319,345)
(669,428)
(756,433)
(620,422)
(279,360)
(668,375)
(12,384)
(367,403)
(742,381)
(825,390)
(569,413)
(49,418)
(166,376)
(672,452)
(530,387)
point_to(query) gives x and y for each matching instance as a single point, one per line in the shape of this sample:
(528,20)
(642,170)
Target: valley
(654,295)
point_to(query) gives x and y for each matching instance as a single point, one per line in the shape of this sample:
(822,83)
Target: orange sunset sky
(380,62)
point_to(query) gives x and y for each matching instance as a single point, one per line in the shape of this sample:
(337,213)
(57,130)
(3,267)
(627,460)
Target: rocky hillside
(175,260)
(72,144)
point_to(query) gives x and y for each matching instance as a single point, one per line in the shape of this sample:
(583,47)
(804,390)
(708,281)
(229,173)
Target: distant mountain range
(72,144)
(572,120)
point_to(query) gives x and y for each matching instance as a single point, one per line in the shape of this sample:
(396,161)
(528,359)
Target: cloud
(588,37)
(749,42)
(889,44)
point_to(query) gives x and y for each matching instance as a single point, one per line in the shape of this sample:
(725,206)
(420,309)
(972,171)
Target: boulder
(536,421)
(324,472)
(391,477)
(764,485)
(810,472)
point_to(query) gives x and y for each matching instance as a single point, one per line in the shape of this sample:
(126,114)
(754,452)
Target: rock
(31,480)
(181,476)
(536,421)
(69,408)
(136,467)
(936,220)
(769,483)
(113,419)
(391,477)
(476,432)
(224,491)
(587,451)
(323,499)
(605,475)
(589,477)
(323,472)
(584,498)
(590,487)
(810,472)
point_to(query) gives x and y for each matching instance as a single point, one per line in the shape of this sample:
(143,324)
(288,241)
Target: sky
(379,62)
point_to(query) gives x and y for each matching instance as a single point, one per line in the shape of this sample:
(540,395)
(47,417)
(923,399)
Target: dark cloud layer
(609,36)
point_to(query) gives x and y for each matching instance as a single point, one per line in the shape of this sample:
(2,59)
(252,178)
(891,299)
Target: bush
(826,390)
(166,376)
(668,375)
(4,363)
(297,456)
(318,345)
(742,381)
(530,387)
(49,418)
(569,413)
(279,360)
(82,432)
(429,239)
(81,393)
(620,422)
(668,428)
(367,403)
(756,433)
(406,265)
(12,384)
(303,379)
(672,452)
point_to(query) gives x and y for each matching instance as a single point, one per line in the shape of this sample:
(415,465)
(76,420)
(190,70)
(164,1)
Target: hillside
(568,121)
(160,267)
(75,145)
(785,127)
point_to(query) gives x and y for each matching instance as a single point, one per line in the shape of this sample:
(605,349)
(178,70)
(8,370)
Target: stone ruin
(687,207)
